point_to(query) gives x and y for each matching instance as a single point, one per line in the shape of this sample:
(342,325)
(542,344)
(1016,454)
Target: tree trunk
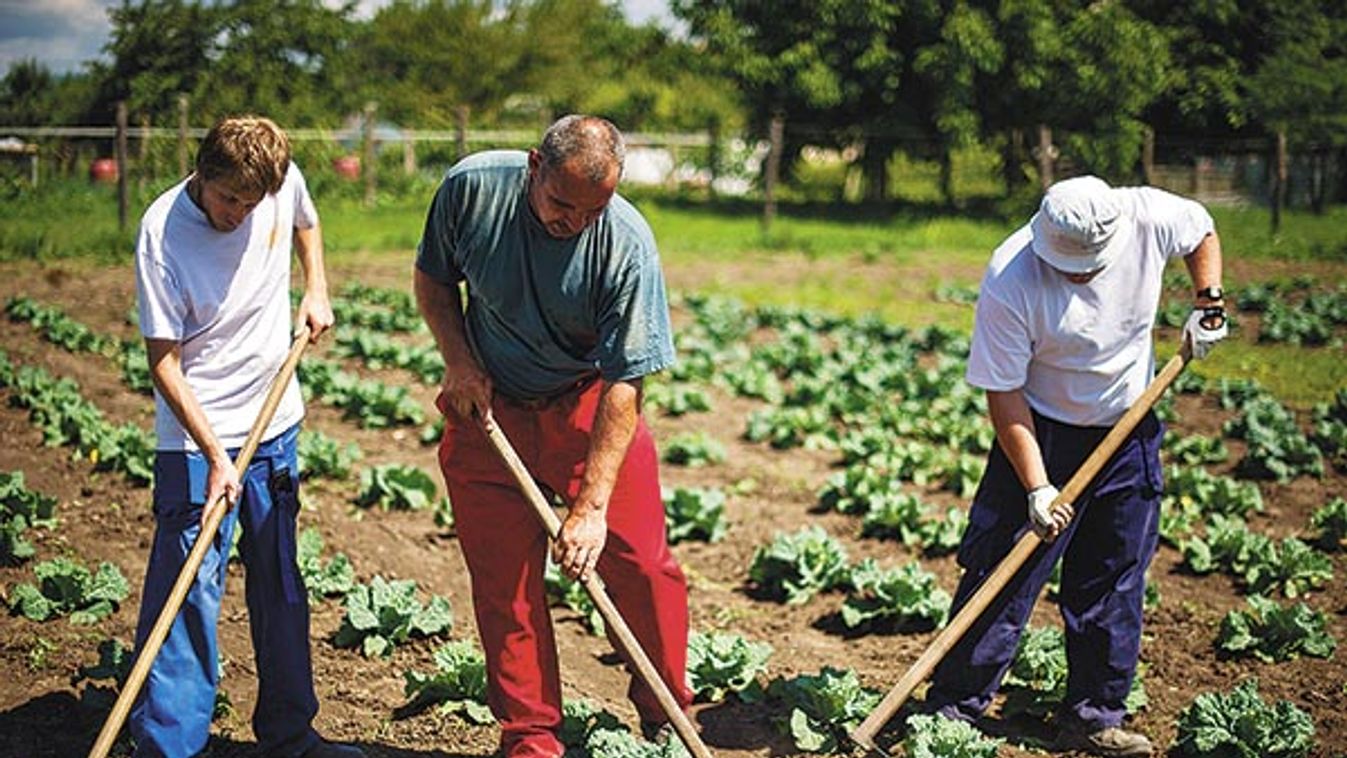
(182,135)
(1317,184)
(1148,157)
(461,131)
(1279,181)
(408,155)
(120,149)
(776,134)
(370,155)
(713,156)
(1012,161)
(875,170)
(947,174)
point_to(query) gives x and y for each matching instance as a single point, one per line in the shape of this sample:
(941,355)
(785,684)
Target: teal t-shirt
(544,314)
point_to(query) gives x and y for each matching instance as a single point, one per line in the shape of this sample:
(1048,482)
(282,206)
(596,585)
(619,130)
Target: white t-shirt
(1081,352)
(225,296)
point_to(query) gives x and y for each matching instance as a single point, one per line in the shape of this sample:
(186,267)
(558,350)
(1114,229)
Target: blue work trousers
(1105,552)
(172,716)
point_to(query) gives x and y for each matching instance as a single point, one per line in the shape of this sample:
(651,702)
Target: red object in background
(347,166)
(103,171)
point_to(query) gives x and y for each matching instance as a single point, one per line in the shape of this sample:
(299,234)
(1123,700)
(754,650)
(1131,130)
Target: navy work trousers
(173,714)
(1105,552)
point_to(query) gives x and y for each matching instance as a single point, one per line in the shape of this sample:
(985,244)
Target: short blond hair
(250,152)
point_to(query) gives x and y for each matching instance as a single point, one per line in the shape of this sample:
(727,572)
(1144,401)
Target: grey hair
(592,141)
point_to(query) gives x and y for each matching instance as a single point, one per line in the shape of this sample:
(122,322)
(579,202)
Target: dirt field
(362,700)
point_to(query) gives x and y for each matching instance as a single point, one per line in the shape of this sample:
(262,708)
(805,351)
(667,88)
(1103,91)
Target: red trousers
(505,547)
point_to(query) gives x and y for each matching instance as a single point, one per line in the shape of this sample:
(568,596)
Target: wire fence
(1214,171)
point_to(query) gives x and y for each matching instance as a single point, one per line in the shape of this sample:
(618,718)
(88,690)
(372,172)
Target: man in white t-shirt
(213,286)
(1062,345)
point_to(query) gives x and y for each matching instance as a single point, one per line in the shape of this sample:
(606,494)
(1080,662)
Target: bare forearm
(1204,263)
(315,310)
(166,372)
(1014,424)
(441,306)
(614,427)
(309,250)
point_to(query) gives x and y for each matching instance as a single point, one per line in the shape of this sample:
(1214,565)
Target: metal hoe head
(866,747)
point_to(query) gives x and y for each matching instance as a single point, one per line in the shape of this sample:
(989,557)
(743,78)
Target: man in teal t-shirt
(566,313)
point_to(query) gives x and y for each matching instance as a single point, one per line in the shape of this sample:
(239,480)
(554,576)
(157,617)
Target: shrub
(823,708)
(692,513)
(939,737)
(383,614)
(796,566)
(67,588)
(336,577)
(458,685)
(21,509)
(720,664)
(905,595)
(396,487)
(1239,724)
(1272,633)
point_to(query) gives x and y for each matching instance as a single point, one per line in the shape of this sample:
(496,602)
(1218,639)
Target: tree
(26,97)
(160,49)
(277,57)
(645,81)
(259,56)
(939,74)
(1257,68)
(426,59)
(833,67)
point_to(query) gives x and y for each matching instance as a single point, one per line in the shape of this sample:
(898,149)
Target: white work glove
(1205,327)
(1047,521)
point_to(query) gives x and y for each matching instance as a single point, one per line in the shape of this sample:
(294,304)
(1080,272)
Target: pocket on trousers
(179,487)
(283,486)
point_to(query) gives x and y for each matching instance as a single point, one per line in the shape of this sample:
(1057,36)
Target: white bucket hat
(1079,226)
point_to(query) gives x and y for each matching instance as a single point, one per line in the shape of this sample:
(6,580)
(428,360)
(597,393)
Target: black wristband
(1214,292)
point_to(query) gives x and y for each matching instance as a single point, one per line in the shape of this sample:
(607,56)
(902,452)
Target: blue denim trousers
(172,716)
(1104,552)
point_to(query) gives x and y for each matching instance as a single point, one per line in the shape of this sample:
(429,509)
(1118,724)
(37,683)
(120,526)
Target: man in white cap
(1062,345)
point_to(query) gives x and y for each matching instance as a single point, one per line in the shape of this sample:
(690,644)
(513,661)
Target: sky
(64,34)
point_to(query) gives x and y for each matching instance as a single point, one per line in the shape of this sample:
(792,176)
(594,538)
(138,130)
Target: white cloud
(65,34)
(61,34)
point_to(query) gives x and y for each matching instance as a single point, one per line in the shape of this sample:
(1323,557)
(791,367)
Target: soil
(104,519)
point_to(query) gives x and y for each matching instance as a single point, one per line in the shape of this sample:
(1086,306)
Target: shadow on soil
(57,725)
(732,725)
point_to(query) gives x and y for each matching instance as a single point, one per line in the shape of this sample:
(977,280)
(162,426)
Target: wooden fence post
(461,132)
(121,164)
(182,135)
(408,155)
(1148,156)
(143,152)
(713,153)
(1279,181)
(776,136)
(1046,153)
(369,155)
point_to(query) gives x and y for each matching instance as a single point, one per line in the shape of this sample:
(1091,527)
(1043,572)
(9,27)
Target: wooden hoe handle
(187,576)
(991,586)
(630,647)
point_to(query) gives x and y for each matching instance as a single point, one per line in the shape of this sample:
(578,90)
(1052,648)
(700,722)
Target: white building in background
(649,165)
